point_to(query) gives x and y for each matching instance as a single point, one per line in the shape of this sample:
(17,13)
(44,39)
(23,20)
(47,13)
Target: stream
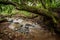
(24,29)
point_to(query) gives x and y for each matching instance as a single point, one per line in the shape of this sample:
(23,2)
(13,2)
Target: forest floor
(19,28)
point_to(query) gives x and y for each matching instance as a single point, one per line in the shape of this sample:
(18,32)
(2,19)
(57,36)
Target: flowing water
(22,29)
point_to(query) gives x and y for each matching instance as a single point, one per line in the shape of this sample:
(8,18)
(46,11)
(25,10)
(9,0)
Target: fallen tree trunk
(40,11)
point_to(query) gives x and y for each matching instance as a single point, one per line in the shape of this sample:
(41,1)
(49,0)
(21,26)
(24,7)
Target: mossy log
(40,11)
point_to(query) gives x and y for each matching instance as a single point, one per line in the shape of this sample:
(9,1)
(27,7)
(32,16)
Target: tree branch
(43,12)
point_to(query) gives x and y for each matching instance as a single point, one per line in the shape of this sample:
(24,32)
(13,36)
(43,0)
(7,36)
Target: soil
(35,33)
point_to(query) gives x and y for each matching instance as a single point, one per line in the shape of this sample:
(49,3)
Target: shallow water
(20,29)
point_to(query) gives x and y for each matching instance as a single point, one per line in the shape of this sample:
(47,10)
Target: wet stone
(28,25)
(0,39)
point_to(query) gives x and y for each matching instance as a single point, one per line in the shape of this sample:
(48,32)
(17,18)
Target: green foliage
(10,10)
(33,4)
(6,9)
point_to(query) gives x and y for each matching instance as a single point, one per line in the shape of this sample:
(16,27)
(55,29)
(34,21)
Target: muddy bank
(18,28)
